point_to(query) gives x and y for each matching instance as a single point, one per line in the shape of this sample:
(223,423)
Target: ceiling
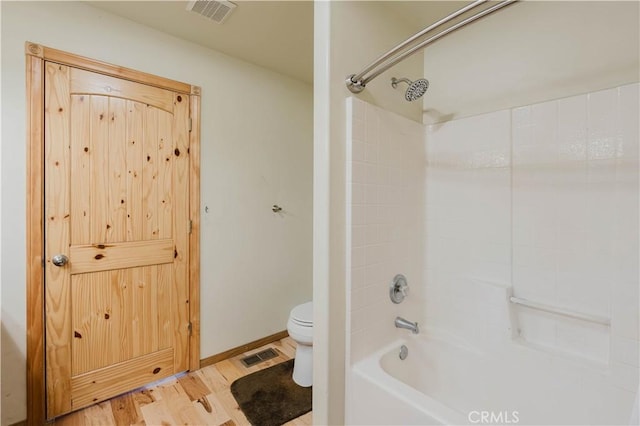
(277,35)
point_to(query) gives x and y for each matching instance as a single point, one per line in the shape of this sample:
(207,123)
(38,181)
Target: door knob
(60,260)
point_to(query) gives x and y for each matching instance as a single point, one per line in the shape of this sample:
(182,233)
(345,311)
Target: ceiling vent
(216,11)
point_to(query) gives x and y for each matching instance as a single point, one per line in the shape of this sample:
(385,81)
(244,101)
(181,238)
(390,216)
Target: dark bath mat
(270,397)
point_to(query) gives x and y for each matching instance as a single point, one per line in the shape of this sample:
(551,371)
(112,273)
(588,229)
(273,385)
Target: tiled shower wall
(469,226)
(386,160)
(541,200)
(575,210)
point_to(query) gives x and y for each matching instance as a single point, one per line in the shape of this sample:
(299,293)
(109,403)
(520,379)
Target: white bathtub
(442,382)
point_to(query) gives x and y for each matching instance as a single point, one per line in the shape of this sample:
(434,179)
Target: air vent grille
(254,359)
(216,11)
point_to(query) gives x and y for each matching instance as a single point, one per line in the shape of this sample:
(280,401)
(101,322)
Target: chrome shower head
(416,88)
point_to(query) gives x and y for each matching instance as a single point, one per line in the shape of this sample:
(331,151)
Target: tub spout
(403,323)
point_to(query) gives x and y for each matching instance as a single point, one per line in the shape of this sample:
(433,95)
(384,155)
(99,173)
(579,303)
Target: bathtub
(447,382)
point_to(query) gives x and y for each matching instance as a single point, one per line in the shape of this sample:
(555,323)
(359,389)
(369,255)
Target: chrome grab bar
(561,311)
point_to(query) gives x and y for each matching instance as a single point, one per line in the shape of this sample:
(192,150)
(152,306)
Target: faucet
(403,323)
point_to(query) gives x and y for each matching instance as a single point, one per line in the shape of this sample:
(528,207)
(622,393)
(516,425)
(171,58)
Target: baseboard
(22,423)
(242,349)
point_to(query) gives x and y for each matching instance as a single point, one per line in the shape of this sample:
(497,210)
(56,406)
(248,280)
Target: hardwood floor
(202,397)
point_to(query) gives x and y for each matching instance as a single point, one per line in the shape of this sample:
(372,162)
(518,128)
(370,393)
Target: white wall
(348,36)
(256,152)
(468,223)
(544,199)
(386,207)
(530,52)
(578,156)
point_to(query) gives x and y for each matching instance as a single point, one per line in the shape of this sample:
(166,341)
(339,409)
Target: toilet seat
(300,329)
(303,314)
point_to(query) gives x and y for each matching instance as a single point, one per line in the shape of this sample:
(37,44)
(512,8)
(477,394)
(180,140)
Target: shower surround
(539,202)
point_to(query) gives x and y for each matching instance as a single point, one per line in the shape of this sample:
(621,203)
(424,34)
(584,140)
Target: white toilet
(300,328)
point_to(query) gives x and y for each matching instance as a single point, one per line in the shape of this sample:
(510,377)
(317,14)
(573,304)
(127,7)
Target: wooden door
(116,183)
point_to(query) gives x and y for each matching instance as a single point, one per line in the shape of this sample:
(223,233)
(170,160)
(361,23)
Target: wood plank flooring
(202,397)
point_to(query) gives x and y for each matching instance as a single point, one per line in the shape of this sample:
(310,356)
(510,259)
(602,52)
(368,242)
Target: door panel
(104,257)
(87,82)
(102,303)
(81,129)
(117,205)
(135,180)
(102,384)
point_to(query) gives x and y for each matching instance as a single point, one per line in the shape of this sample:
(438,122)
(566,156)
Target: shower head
(416,88)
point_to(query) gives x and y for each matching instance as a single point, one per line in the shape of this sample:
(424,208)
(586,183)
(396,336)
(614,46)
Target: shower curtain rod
(357,82)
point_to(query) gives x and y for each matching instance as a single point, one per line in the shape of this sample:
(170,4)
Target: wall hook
(276,208)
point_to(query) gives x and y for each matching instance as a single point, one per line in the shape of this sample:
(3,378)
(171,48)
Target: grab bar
(561,311)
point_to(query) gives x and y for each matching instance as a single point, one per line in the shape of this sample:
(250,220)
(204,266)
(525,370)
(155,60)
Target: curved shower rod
(357,82)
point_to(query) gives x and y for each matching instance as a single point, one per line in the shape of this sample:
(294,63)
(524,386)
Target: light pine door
(116,222)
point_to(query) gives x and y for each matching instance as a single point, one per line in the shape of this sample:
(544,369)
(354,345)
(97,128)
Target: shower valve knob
(398,289)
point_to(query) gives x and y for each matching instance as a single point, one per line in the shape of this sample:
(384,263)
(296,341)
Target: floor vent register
(259,357)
